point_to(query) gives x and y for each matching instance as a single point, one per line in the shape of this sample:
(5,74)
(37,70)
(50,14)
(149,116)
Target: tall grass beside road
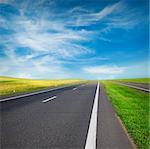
(132,106)
(10,86)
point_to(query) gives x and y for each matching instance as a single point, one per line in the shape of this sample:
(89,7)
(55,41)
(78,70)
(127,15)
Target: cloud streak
(53,39)
(104,70)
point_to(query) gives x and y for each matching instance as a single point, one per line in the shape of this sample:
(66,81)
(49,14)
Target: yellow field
(9,86)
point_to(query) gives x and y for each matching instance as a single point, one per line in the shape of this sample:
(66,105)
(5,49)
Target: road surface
(62,119)
(142,85)
(139,86)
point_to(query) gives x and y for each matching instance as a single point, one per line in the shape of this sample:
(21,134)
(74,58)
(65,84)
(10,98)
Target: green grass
(132,107)
(10,86)
(136,80)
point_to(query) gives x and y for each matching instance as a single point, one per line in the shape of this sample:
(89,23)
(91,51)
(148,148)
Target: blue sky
(87,39)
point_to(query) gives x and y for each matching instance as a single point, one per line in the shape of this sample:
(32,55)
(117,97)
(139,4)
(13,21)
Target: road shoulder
(110,133)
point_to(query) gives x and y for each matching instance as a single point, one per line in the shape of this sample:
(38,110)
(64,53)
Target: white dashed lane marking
(49,99)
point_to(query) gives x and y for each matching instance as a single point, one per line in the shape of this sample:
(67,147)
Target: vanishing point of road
(75,117)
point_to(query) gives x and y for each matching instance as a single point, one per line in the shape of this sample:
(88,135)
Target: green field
(132,106)
(10,86)
(136,80)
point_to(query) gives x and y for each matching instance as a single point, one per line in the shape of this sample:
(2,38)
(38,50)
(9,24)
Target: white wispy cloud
(139,69)
(58,36)
(104,70)
(86,18)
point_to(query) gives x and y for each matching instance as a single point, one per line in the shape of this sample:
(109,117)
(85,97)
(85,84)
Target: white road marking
(139,88)
(34,93)
(74,88)
(91,137)
(49,99)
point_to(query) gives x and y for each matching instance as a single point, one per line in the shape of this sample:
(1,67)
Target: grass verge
(132,107)
(10,86)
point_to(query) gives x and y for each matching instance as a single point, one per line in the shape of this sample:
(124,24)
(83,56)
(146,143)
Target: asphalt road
(110,132)
(142,85)
(139,86)
(59,119)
